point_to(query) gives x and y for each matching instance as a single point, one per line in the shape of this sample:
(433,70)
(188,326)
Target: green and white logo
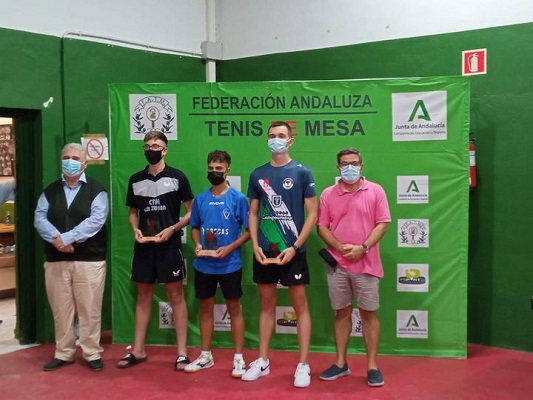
(412,189)
(412,324)
(221,317)
(419,116)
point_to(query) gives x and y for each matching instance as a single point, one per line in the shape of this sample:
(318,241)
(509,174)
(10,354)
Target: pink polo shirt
(351,217)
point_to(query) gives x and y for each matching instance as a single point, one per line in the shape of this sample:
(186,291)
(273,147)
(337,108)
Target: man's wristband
(295,247)
(366,247)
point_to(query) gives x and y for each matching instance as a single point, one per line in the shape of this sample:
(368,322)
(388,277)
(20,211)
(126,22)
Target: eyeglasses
(154,147)
(352,163)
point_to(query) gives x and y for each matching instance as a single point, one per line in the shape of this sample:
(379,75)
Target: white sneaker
(203,362)
(302,376)
(257,369)
(239,367)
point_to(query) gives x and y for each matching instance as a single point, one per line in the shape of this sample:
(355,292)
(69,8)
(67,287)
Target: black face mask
(215,177)
(152,156)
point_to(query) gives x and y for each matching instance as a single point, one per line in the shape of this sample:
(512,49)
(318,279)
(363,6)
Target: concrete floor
(8,315)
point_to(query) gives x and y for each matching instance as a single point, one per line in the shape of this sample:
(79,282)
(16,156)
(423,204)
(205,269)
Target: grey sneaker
(375,378)
(335,372)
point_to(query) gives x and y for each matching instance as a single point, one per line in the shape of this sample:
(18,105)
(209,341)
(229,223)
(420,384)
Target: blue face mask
(277,145)
(350,174)
(71,167)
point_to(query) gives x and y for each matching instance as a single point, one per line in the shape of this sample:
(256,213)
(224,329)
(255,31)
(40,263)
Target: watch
(295,247)
(366,248)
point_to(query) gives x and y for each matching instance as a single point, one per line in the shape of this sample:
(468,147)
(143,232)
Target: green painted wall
(500,268)
(500,274)
(34,68)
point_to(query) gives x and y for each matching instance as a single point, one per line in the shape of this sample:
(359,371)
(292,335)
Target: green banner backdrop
(413,135)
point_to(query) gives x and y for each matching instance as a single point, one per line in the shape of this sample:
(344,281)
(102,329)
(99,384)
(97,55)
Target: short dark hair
(281,123)
(156,135)
(349,150)
(219,156)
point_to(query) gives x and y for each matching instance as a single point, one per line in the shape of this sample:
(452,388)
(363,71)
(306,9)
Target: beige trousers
(76,287)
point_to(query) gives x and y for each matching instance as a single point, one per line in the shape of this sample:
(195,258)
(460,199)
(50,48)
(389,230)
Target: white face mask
(350,174)
(277,145)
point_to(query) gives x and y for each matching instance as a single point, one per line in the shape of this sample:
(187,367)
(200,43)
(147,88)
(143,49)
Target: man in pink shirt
(353,216)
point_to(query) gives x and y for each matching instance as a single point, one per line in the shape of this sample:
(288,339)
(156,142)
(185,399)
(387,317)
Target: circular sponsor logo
(288,183)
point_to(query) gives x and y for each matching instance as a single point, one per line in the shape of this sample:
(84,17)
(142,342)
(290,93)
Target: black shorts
(157,262)
(206,284)
(296,272)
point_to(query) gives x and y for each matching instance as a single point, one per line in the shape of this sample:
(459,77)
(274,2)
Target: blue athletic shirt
(220,220)
(281,192)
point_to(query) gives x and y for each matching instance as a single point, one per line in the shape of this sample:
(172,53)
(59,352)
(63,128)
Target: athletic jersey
(220,220)
(281,192)
(158,199)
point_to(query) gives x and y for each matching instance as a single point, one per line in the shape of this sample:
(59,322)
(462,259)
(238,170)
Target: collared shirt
(81,232)
(351,217)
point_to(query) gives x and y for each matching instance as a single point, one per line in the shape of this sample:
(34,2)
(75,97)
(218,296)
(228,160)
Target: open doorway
(20,134)
(7,232)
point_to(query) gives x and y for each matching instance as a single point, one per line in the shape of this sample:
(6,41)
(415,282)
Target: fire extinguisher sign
(474,62)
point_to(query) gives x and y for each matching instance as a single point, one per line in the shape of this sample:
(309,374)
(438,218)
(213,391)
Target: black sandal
(181,363)
(131,360)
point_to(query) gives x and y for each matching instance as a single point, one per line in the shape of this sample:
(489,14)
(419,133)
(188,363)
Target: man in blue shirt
(281,193)
(70,217)
(218,217)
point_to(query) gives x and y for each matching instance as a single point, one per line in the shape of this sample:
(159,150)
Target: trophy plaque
(206,253)
(149,230)
(274,250)
(209,244)
(272,260)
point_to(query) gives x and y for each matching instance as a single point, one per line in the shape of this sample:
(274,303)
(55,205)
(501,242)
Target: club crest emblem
(288,183)
(277,201)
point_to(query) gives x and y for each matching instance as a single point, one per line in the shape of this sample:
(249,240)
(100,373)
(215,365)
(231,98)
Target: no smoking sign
(96,148)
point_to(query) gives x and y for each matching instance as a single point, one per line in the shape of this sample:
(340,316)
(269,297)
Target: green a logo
(424,112)
(412,322)
(413,187)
